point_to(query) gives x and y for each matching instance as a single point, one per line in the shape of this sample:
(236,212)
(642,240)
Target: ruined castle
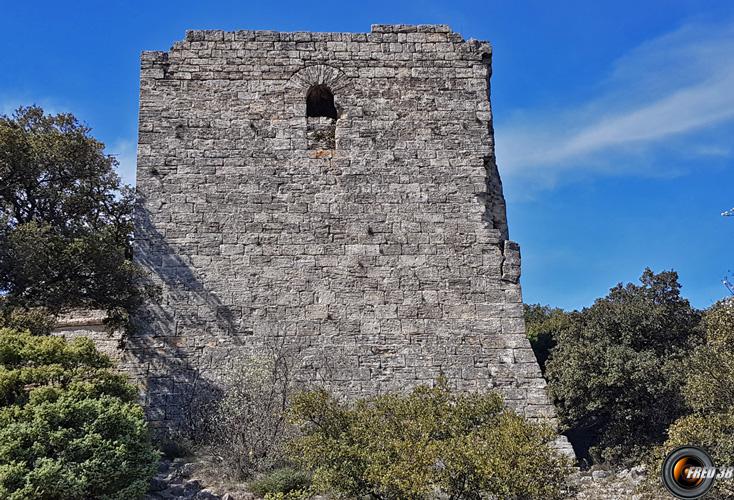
(336,193)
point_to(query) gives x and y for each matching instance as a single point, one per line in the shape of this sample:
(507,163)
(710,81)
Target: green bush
(709,384)
(615,373)
(284,480)
(709,391)
(410,446)
(714,433)
(69,426)
(291,495)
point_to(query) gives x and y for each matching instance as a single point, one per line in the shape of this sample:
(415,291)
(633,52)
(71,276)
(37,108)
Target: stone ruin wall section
(383,259)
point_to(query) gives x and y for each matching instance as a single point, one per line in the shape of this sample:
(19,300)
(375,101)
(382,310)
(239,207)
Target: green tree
(70,426)
(709,384)
(615,371)
(65,218)
(542,324)
(709,391)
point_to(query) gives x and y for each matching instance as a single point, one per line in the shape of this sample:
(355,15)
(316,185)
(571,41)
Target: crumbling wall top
(380,33)
(434,32)
(410,28)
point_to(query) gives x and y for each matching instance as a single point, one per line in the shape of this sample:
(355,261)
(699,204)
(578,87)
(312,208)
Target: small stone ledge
(511,261)
(90,324)
(81,318)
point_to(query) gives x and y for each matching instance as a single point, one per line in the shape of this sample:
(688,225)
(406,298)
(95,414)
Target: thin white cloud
(125,152)
(676,85)
(8,105)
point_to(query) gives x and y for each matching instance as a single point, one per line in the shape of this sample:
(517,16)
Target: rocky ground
(177,479)
(604,484)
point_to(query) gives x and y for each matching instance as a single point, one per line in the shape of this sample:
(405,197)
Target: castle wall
(376,247)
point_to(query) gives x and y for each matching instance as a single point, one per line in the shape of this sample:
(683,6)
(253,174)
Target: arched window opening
(320,102)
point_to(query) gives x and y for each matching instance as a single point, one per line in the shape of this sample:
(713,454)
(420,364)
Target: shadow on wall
(177,354)
(493,199)
(184,345)
(169,269)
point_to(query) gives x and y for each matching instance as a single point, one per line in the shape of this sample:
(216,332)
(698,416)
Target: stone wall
(374,245)
(90,324)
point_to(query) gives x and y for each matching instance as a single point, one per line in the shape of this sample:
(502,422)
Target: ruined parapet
(336,193)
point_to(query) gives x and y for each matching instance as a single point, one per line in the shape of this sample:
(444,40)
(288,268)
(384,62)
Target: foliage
(245,428)
(712,432)
(283,480)
(542,324)
(300,494)
(69,425)
(36,320)
(709,391)
(615,372)
(709,384)
(65,218)
(409,446)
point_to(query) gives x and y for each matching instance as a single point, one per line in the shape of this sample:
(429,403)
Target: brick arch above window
(318,74)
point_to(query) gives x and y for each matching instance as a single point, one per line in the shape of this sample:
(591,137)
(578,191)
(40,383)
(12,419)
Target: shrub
(292,495)
(615,371)
(714,433)
(283,480)
(69,426)
(410,446)
(244,430)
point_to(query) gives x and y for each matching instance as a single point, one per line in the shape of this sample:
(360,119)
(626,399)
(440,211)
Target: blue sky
(614,121)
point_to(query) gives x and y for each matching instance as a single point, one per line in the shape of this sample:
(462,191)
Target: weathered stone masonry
(376,244)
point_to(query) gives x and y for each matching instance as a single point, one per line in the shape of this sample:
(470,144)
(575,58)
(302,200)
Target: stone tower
(335,193)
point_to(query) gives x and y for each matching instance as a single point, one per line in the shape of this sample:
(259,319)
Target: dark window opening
(320,102)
